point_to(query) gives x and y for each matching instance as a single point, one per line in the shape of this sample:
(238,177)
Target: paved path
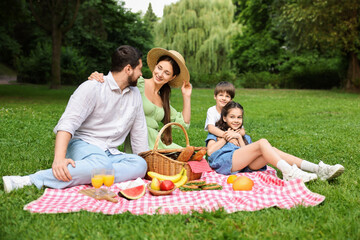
(7,80)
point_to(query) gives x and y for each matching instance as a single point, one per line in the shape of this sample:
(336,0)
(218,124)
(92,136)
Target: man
(96,121)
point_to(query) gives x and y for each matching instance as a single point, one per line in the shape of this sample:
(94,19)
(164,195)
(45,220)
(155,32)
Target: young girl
(227,158)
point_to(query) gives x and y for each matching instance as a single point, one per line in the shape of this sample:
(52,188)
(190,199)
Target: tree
(325,25)
(56,17)
(150,16)
(259,46)
(201,31)
(104,25)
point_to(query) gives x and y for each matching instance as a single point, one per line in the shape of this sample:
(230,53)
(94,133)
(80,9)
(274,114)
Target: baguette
(186,154)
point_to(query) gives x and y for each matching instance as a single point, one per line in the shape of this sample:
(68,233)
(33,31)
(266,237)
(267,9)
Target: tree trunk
(353,74)
(56,58)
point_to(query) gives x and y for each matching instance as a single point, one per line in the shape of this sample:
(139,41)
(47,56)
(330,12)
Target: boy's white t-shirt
(212,117)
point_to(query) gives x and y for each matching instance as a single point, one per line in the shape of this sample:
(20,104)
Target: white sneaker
(297,173)
(328,172)
(15,182)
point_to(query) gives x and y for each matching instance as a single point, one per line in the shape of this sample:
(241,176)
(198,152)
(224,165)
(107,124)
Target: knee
(263,142)
(140,165)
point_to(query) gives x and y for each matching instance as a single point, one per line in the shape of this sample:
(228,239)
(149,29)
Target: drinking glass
(109,178)
(97,180)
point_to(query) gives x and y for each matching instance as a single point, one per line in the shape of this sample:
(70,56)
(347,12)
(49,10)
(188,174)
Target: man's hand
(96,76)
(60,170)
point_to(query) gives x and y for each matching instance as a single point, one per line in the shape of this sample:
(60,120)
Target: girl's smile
(234,118)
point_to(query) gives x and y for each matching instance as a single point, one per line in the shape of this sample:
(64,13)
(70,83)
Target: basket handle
(163,129)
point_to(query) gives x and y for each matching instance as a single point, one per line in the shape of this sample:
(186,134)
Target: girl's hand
(235,142)
(97,76)
(231,134)
(186,89)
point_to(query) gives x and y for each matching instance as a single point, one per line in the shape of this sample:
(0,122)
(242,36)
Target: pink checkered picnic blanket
(268,191)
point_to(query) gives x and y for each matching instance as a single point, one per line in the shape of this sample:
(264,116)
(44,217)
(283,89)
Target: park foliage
(252,43)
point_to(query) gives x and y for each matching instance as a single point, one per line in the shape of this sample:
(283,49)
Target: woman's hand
(97,76)
(186,89)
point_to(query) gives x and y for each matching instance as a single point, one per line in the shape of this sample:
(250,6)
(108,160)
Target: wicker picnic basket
(160,161)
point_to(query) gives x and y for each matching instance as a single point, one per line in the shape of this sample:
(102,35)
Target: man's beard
(131,82)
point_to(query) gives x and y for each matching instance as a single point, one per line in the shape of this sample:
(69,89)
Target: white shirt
(103,115)
(212,117)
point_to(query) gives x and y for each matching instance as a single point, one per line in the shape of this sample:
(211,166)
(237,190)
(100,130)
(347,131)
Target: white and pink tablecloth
(268,191)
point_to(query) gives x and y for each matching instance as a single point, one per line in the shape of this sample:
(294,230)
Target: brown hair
(225,87)
(165,92)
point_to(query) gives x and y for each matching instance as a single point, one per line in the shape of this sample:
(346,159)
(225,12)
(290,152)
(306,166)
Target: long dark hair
(165,92)
(224,112)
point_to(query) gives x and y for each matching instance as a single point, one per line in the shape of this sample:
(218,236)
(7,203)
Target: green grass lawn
(314,125)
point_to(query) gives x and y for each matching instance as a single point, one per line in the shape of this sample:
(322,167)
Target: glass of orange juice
(97,180)
(109,178)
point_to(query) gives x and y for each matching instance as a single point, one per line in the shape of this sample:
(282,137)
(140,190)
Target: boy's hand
(97,76)
(241,131)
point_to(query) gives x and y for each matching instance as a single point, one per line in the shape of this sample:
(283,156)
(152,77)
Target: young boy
(224,92)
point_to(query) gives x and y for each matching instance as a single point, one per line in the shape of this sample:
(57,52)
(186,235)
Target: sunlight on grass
(314,125)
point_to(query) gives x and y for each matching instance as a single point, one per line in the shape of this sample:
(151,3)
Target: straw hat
(155,53)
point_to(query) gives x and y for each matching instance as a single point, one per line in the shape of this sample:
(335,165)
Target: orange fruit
(231,178)
(243,183)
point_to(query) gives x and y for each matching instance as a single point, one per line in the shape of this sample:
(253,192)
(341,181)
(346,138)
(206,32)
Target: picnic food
(186,154)
(182,180)
(213,187)
(155,184)
(159,192)
(173,178)
(196,182)
(199,185)
(199,155)
(166,185)
(190,188)
(243,183)
(231,178)
(133,193)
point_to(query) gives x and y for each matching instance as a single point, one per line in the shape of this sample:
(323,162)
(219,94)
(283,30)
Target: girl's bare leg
(290,159)
(255,155)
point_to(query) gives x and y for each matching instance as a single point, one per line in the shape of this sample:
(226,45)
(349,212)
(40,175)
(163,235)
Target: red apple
(166,185)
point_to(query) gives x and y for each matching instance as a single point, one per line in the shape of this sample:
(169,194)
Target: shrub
(36,68)
(74,68)
(259,80)
(210,80)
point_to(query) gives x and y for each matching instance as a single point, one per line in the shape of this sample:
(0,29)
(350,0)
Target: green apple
(155,184)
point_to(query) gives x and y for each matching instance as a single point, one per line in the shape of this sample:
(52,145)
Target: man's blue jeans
(88,157)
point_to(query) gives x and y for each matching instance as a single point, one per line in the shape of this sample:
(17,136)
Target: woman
(168,70)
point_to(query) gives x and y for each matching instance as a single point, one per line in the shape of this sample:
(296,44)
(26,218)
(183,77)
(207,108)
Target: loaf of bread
(186,154)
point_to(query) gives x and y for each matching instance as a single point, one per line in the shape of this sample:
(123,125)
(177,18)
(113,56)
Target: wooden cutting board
(111,196)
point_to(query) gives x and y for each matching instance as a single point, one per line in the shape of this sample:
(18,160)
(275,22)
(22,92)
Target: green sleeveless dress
(154,116)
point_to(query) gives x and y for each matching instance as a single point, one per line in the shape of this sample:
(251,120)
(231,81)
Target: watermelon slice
(133,193)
